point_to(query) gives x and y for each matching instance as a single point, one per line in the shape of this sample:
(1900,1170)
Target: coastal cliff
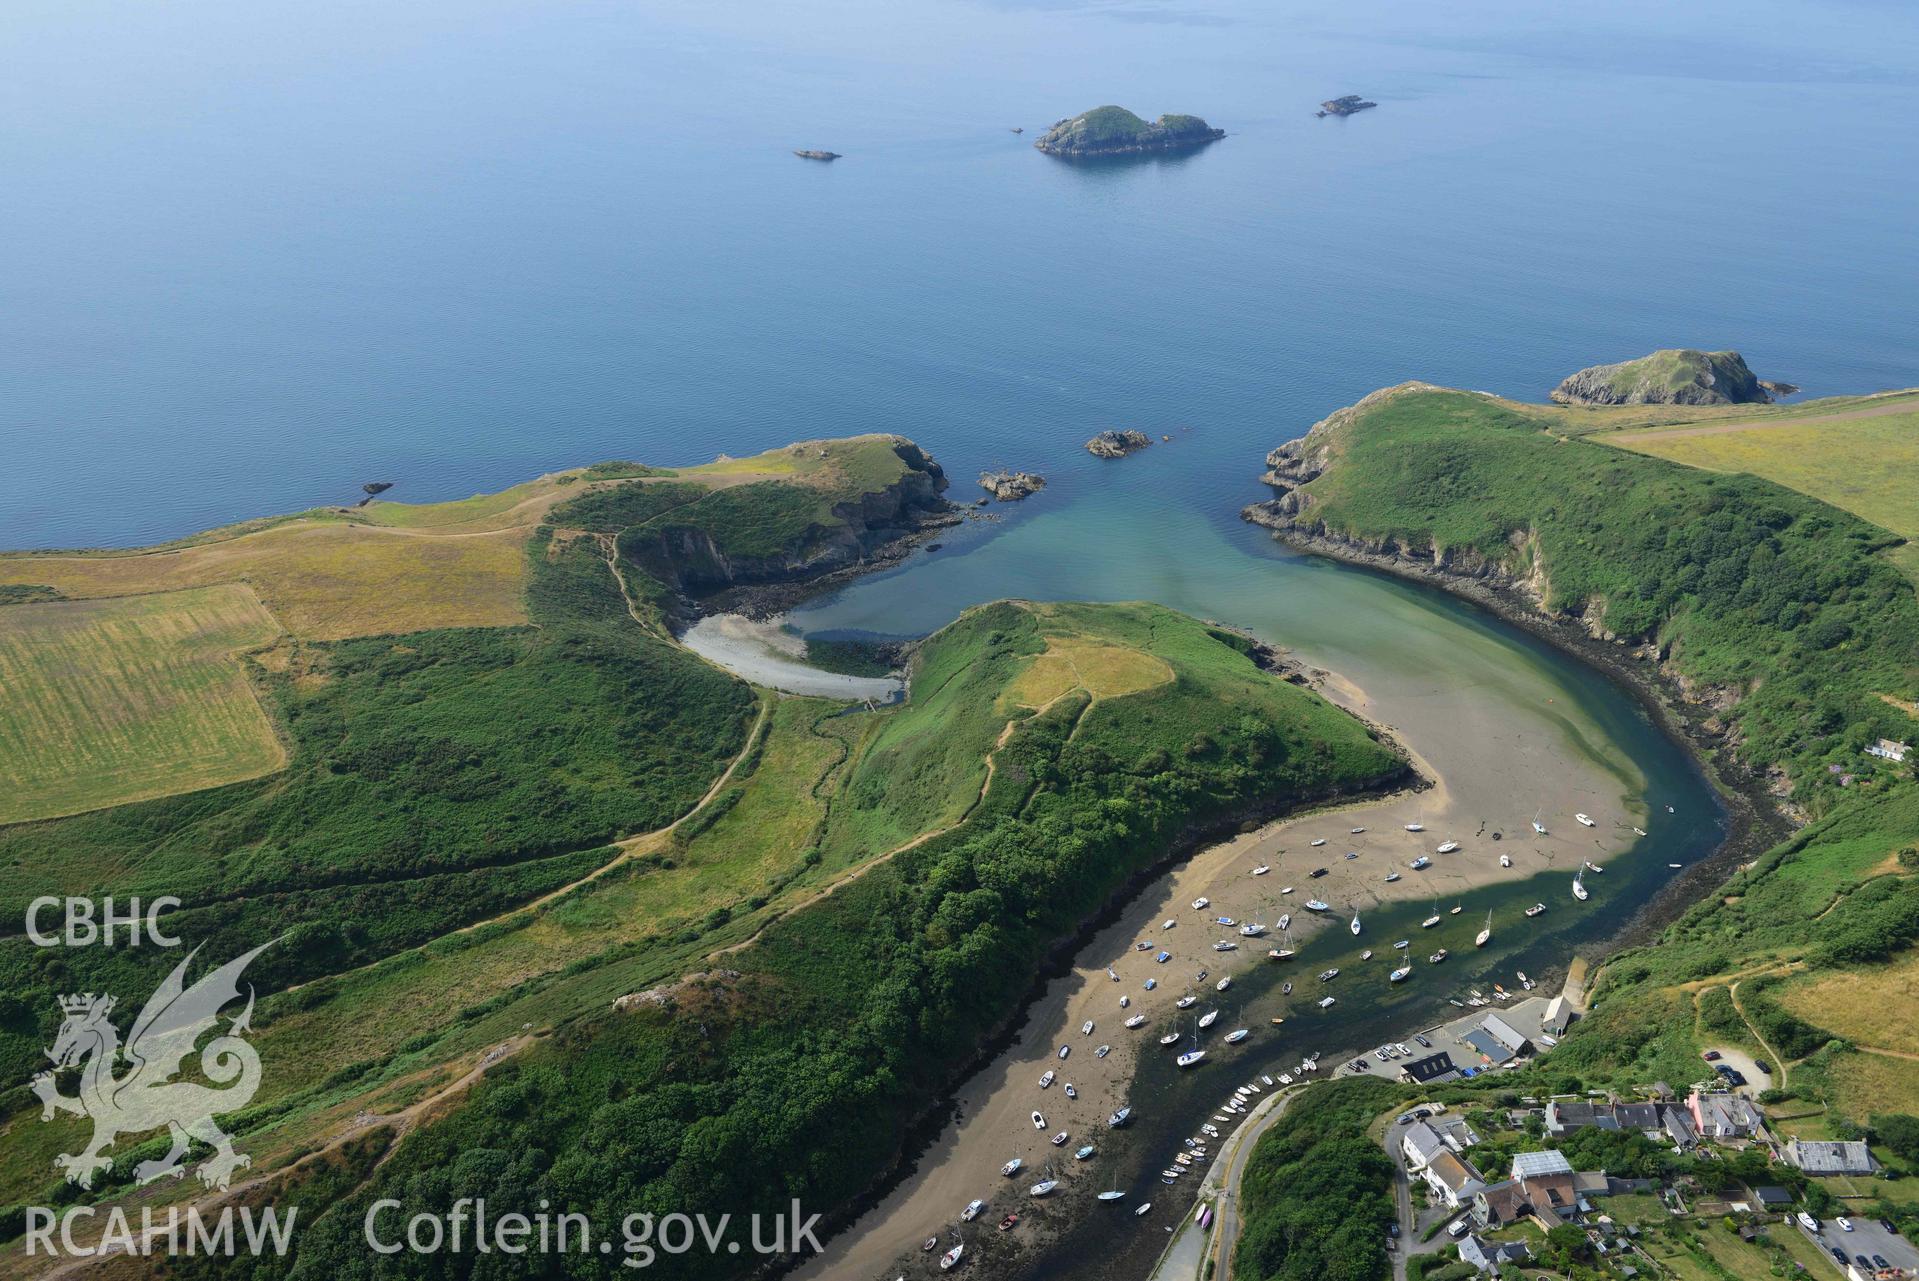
(1663,573)
(1115,131)
(1675,376)
(782,532)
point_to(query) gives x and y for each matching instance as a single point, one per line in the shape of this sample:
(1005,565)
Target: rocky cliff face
(1678,376)
(862,526)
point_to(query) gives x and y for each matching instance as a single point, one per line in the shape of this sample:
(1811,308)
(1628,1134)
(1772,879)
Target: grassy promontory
(1050,755)
(589,921)
(1780,626)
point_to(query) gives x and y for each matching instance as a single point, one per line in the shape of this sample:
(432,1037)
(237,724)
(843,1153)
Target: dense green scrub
(1812,900)
(1317,1194)
(1777,599)
(1778,608)
(435,779)
(794,1071)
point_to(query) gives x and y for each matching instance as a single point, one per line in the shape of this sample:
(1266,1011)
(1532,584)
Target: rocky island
(1011,486)
(1675,376)
(1115,131)
(817,155)
(1345,106)
(1117,444)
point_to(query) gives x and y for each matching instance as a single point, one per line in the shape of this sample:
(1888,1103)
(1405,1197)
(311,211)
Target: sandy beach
(1483,783)
(765,654)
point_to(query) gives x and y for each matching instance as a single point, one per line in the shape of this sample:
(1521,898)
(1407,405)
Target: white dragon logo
(145,1097)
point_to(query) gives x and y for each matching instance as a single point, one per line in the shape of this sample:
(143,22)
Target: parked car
(1838,1254)
(1879,1261)
(1711,1056)
(1458,1227)
(1732,1075)
(1845,1224)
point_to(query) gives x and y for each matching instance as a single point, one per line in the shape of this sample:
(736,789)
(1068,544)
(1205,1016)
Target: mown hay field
(111,701)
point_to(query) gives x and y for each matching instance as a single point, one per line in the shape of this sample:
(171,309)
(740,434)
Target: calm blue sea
(259,252)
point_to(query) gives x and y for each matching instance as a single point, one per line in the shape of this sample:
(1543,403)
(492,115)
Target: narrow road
(1229,1173)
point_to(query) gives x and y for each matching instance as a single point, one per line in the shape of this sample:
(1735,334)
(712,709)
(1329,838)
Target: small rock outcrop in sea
(1676,376)
(1115,131)
(1343,106)
(1011,486)
(1117,444)
(1777,387)
(817,155)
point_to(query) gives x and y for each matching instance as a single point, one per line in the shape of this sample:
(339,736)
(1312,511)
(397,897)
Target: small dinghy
(1225,945)
(1367,955)
(1086,1028)
(1085,1153)
(1008,1223)
(1119,1118)
(1584,821)
(1401,944)
(1327,976)
(1315,905)
(1447,848)
(1071,1093)
(1223,984)
(1199,904)
(1011,1167)
(1039,1121)
(1505,860)
(1391,877)
(1321,841)
(1102,1051)
(1125,1001)
(1046,1080)
(1286,989)
(1142,1210)
(1136,1020)
(971,1211)
(1325,1002)
(1261,870)
(1438,956)
(1415,827)
(1059,1140)
(1420,864)
(1535,909)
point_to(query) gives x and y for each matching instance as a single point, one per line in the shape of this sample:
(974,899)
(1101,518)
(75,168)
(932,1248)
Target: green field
(113,701)
(1864,458)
